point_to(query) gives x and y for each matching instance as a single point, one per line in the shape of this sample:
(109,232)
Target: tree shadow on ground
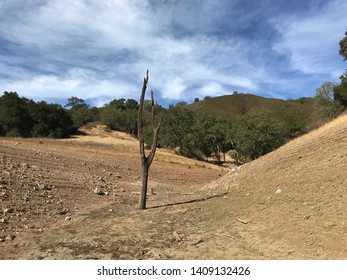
(188,201)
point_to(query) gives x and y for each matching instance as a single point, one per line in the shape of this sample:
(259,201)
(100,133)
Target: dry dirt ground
(47,185)
(289,204)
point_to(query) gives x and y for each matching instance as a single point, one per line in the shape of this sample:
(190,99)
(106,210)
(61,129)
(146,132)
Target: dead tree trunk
(146,160)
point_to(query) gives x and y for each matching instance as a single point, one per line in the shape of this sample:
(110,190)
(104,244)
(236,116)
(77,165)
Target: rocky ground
(46,182)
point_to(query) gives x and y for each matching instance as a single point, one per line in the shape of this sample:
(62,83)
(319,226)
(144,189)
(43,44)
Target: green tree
(177,130)
(131,104)
(15,117)
(74,102)
(326,106)
(258,133)
(343,47)
(210,136)
(80,112)
(25,118)
(340,91)
(116,119)
(118,104)
(51,120)
(121,115)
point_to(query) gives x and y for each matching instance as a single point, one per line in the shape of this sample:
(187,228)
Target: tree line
(21,117)
(190,134)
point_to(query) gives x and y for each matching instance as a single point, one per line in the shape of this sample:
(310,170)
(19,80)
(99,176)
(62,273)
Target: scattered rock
(44,187)
(3,196)
(98,191)
(8,210)
(68,218)
(10,237)
(197,242)
(177,237)
(63,211)
(245,222)
(278,191)
(3,221)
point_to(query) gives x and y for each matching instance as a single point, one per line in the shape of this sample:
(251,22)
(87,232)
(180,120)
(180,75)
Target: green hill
(231,107)
(295,115)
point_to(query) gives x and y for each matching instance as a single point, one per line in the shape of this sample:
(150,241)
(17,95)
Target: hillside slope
(294,199)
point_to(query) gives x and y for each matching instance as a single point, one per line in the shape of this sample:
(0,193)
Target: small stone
(177,237)
(8,210)
(3,221)
(3,194)
(278,191)
(98,191)
(110,210)
(63,211)
(10,237)
(68,218)
(44,187)
(197,242)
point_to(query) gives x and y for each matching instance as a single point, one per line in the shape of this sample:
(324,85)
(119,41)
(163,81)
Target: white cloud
(173,88)
(212,88)
(76,33)
(101,49)
(77,82)
(311,40)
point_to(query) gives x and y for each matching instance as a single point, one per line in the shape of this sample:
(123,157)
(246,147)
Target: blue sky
(99,50)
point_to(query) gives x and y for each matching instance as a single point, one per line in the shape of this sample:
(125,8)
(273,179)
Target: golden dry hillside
(294,199)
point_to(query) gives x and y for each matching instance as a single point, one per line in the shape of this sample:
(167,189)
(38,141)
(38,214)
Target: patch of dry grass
(325,127)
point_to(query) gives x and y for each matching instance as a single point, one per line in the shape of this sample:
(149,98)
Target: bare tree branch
(146,161)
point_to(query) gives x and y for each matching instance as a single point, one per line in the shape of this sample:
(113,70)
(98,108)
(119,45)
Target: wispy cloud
(311,40)
(100,50)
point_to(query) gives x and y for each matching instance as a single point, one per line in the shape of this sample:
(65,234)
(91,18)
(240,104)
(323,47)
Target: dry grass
(322,129)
